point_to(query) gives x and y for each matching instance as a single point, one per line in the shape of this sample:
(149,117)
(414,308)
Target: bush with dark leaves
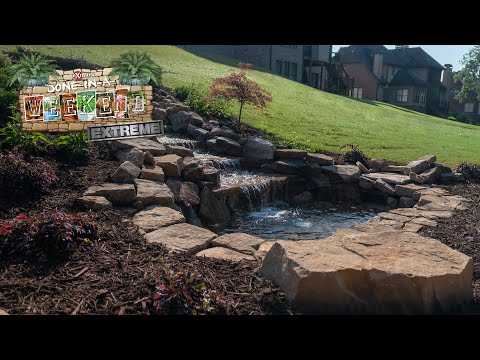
(471,172)
(46,237)
(353,155)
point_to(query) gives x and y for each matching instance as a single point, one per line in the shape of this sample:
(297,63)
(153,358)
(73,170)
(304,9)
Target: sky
(444,54)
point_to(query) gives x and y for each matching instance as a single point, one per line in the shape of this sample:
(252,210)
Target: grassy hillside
(312,118)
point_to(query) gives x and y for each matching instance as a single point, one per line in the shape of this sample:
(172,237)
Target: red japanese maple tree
(237,86)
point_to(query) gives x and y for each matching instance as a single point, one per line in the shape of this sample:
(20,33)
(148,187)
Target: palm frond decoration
(135,68)
(32,70)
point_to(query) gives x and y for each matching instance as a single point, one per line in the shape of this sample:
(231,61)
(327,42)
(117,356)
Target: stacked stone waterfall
(381,266)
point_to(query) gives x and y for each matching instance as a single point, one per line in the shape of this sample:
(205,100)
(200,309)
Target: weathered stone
(414,212)
(190,162)
(346,192)
(197,133)
(159,114)
(354,272)
(384,187)
(362,167)
(320,159)
(432,202)
(376,164)
(431,175)
(172,164)
(189,193)
(392,202)
(417,166)
(412,227)
(193,174)
(290,166)
(153,173)
(443,168)
(190,214)
(95,202)
(182,237)
(429,158)
(313,170)
(212,175)
(212,145)
(388,177)
(240,242)
(407,190)
(125,173)
(174,186)
(366,183)
(416,178)
(213,208)
(318,182)
(394,217)
(138,205)
(177,107)
(156,217)
(429,191)
(290,154)
(406,202)
(449,178)
(3,312)
(142,144)
(179,150)
(302,198)
(423,221)
(219,132)
(258,149)
(153,193)
(342,173)
(182,119)
(118,194)
(393,168)
(228,146)
(133,155)
(224,254)
(129,210)
(149,159)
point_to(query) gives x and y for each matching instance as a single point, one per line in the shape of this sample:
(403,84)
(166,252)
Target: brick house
(403,76)
(308,64)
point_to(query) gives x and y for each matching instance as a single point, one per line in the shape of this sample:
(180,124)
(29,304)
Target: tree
(470,74)
(237,86)
(135,68)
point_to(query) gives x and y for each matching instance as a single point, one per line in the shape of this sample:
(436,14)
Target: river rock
(182,237)
(225,254)
(240,242)
(213,209)
(258,149)
(320,159)
(172,164)
(354,272)
(290,154)
(143,144)
(117,194)
(135,156)
(156,217)
(197,133)
(179,150)
(125,173)
(342,173)
(96,203)
(417,167)
(153,173)
(153,193)
(228,146)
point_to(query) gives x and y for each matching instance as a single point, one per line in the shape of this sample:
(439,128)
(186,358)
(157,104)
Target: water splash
(218,162)
(178,141)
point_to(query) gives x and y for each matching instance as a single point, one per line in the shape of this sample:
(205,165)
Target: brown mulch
(462,231)
(118,274)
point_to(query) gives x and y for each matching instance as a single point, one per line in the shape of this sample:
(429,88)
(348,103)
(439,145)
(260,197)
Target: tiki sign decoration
(80,98)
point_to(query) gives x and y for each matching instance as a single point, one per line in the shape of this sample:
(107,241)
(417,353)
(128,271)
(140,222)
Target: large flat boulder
(153,193)
(258,149)
(172,164)
(225,254)
(182,237)
(156,217)
(320,159)
(390,178)
(354,272)
(228,146)
(240,242)
(117,194)
(197,133)
(181,151)
(125,173)
(290,166)
(407,190)
(342,173)
(143,144)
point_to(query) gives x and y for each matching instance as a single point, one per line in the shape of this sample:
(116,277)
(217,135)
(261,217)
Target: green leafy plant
(8,93)
(73,145)
(32,70)
(194,96)
(135,68)
(14,137)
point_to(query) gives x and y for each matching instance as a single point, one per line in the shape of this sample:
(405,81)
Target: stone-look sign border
(77,125)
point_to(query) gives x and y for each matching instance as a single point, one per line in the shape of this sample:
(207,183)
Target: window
(468,107)
(293,71)
(278,67)
(286,69)
(402,95)
(420,96)
(358,93)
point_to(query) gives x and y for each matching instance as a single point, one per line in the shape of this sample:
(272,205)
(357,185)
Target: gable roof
(414,57)
(404,77)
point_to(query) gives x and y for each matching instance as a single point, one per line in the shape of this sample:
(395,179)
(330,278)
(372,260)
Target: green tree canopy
(470,74)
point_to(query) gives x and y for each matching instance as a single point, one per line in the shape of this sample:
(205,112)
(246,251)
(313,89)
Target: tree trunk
(240,115)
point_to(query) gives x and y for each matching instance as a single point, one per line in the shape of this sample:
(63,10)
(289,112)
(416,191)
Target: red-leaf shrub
(46,237)
(25,174)
(237,86)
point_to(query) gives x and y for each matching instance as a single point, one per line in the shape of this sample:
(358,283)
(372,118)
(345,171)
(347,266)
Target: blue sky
(444,54)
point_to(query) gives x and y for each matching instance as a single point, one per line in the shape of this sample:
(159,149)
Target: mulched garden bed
(119,273)
(462,232)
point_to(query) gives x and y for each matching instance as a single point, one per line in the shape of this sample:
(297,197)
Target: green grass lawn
(308,117)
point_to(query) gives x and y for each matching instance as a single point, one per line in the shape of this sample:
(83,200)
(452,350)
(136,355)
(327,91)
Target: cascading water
(178,141)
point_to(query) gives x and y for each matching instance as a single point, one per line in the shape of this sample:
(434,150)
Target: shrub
(353,155)
(471,172)
(74,146)
(135,68)
(25,175)
(8,94)
(46,237)
(32,69)
(14,137)
(194,96)
(183,293)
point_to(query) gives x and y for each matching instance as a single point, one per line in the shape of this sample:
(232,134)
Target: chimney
(377,65)
(447,77)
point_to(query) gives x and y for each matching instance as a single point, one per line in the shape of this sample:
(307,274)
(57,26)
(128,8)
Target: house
(403,76)
(308,64)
